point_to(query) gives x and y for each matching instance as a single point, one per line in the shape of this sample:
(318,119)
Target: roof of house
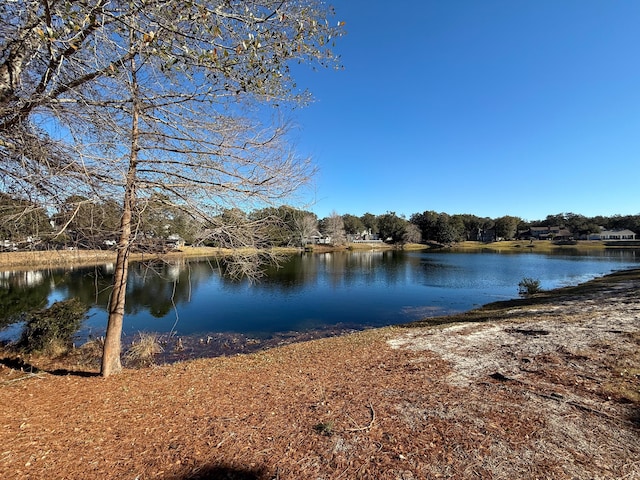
(625,231)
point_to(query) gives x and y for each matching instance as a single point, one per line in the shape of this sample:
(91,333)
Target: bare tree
(334,228)
(306,224)
(411,234)
(130,99)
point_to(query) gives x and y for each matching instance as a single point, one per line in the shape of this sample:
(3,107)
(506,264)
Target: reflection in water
(309,291)
(21,278)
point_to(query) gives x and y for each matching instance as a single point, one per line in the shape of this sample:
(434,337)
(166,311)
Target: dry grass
(143,350)
(54,258)
(90,353)
(538,246)
(56,348)
(58,258)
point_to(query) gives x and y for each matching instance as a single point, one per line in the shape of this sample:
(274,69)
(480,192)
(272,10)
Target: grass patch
(142,351)
(55,258)
(520,246)
(90,353)
(62,258)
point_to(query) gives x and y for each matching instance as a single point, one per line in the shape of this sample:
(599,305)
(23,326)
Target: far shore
(73,258)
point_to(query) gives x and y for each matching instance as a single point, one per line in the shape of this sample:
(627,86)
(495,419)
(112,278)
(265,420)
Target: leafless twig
(366,427)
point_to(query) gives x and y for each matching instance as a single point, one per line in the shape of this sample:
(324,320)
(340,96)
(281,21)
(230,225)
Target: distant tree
(352,225)
(557,220)
(468,226)
(426,222)
(487,225)
(286,226)
(241,232)
(279,224)
(21,220)
(333,226)
(621,222)
(579,225)
(86,222)
(305,224)
(473,227)
(599,220)
(439,227)
(411,234)
(633,223)
(507,227)
(184,226)
(159,219)
(370,222)
(457,225)
(445,231)
(392,227)
(588,228)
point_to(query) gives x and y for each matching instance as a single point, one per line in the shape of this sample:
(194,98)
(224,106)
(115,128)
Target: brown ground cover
(547,387)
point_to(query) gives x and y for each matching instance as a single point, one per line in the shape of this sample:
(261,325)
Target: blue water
(309,291)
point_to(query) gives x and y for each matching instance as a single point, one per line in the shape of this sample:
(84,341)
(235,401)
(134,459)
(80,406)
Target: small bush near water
(51,330)
(529,286)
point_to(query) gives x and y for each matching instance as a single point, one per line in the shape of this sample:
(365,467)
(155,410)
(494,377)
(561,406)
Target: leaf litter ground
(547,387)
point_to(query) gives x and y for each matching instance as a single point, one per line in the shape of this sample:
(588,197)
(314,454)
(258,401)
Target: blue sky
(509,107)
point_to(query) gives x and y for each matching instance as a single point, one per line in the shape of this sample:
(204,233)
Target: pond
(319,293)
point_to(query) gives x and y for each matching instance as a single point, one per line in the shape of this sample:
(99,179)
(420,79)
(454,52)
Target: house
(8,245)
(364,237)
(175,241)
(547,233)
(538,232)
(563,234)
(317,238)
(486,235)
(613,235)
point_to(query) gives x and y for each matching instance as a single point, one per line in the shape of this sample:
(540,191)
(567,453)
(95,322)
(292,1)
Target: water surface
(331,291)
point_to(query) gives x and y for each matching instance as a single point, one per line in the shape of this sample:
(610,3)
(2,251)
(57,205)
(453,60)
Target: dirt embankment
(547,387)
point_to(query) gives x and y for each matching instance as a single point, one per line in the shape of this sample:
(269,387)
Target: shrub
(51,330)
(529,286)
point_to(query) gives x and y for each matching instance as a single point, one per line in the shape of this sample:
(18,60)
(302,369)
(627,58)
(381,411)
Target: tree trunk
(112,341)
(113,337)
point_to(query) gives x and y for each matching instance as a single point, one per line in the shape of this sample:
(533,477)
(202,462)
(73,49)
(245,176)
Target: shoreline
(72,258)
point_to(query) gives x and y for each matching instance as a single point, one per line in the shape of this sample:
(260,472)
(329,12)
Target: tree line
(85,224)
(446,229)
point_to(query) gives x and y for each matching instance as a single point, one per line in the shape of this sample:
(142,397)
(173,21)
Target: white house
(613,235)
